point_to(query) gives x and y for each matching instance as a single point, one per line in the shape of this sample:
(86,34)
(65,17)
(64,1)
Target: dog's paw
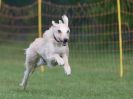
(22,86)
(67,70)
(60,62)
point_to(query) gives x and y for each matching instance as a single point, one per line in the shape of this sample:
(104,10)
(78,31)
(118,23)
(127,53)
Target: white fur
(65,19)
(48,48)
(60,22)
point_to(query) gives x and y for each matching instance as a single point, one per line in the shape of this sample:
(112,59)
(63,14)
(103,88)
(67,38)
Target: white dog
(51,49)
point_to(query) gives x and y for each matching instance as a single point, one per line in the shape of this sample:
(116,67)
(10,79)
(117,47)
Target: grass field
(86,82)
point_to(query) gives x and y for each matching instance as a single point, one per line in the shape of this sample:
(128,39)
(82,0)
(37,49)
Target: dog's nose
(65,40)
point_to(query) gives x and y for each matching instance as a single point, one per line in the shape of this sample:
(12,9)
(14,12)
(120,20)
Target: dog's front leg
(66,66)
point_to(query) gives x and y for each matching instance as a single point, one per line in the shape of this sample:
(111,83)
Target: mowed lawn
(86,82)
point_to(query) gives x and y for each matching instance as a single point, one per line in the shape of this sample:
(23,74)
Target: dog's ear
(54,24)
(65,19)
(60,22)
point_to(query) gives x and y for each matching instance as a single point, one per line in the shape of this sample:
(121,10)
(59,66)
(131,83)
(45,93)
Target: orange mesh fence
(127,14)
(94,39)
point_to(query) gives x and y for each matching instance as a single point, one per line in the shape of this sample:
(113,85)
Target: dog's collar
(56,39)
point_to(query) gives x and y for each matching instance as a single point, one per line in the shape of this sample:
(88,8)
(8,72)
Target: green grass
(95,79)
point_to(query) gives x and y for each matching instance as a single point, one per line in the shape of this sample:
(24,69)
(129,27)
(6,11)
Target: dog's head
(61,30)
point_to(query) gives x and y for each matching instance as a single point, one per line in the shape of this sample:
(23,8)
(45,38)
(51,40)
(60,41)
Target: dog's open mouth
(64,43)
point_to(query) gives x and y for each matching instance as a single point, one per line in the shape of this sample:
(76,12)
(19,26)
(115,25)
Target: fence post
(120,37)
(40,18)
(40,23)
(0,3)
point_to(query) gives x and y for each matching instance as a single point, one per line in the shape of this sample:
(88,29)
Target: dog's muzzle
(65,42)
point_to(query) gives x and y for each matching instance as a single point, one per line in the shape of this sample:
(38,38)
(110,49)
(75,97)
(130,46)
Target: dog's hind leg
(30,63)
(26,76)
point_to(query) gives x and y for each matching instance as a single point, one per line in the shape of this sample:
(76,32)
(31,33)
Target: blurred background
(94,38)
(93,23)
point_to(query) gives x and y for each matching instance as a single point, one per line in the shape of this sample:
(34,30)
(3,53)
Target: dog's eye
(59,31)
(68,31)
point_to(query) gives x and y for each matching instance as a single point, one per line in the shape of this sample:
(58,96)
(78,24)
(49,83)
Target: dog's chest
(60,49)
